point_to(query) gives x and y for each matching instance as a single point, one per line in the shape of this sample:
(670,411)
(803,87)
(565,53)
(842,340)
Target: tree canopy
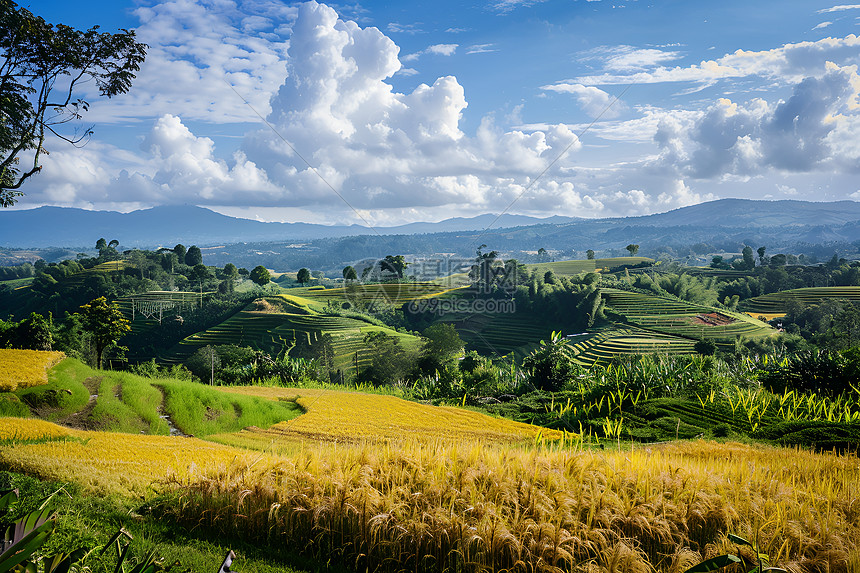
(303,276)
(105,321)
(42,68)
(260,275)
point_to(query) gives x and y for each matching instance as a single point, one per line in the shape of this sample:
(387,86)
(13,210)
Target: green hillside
(776,302)
(279,320)
(683,319)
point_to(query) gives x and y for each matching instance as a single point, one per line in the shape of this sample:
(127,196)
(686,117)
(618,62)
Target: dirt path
(82,420)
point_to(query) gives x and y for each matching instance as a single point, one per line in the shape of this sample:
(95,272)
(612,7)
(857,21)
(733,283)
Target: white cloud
(822,25)
(787,64)
(196,50)
(481,49)
(594,101)
(435,50)
(840,8)
(813,129)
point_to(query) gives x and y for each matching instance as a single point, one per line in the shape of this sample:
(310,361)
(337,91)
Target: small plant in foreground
(720,561)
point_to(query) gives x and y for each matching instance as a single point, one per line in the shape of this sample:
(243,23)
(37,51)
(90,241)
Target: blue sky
(397,112)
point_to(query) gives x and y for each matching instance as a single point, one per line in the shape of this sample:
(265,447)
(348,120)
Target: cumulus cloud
(196,50)
(812,129)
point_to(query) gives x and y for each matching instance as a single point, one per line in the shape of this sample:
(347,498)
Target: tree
(761,251)
(193,256)
(442,346)
(105,322)
(542,255)
(395,265)
(260,275)
(349,273)
(633,249)
(749,260)
(303,276)
(550,367)
(180,252)
(42,67)
(589,254)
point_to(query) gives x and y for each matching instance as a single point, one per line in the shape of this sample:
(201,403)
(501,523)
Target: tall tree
(589,254)
(303,276)
(105,322)
(42,68)
(761,251)
(394,265)
(632,248)
(349,273)
(260,275)
(193,256)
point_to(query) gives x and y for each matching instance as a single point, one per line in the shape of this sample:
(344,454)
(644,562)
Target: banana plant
(720,561)
(27,535)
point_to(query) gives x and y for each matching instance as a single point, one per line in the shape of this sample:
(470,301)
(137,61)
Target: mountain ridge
(188,224)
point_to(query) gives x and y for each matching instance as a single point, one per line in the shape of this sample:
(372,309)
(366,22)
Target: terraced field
(775,303)
(681,319)
(498,334)
(607,344)
(284,319)
(388,293)
(585,266)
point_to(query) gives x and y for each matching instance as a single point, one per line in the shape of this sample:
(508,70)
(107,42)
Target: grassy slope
(124,402)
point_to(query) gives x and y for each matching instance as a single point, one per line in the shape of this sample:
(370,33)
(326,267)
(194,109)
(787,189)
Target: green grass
(605,345)
(64,393)
(129,403)
(90,521)
(776,302)
(17,283)
(202,410)
(291,317)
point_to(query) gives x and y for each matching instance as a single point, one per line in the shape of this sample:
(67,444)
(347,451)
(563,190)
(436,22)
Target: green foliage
(303,276)
(105,322)
(550,367)
(37,55)
(824,372)
(193,256)
(260,275)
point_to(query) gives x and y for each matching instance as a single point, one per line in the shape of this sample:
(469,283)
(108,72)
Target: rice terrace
(509,286)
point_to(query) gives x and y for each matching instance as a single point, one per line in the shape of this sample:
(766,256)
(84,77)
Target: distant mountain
(168,225)
(728,220)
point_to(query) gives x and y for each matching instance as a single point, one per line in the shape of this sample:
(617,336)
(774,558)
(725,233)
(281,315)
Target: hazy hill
(168,225)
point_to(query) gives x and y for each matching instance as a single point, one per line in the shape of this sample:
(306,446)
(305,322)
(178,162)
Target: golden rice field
(353,417)
(107,462)
(434,505)
(25,368)
(387,485)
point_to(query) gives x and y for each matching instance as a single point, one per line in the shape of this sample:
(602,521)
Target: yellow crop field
(25,368)
(105,461)
(390,485)
(338,416)
(427,505)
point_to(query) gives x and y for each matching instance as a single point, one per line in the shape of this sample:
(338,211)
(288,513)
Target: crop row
(777,302)
(683,319)
(608,344)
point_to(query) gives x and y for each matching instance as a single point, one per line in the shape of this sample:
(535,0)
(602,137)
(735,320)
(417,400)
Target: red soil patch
(712,319)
